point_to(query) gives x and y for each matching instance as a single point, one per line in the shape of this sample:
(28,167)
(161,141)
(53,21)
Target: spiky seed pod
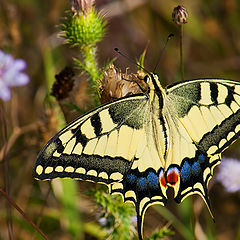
(83,29)
(180,15)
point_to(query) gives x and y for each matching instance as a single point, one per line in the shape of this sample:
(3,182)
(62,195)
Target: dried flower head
(11,74)
(229,174)
(63,84)
(81,5)
(116,84)
(180,15)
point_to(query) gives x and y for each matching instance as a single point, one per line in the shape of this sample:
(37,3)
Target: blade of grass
(181,228)
(66,191)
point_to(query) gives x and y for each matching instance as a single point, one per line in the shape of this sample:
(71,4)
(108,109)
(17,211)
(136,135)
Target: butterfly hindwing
(208,110)
(142,183)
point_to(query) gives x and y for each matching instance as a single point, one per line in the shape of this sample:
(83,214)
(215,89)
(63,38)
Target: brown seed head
(117,84)
(63,84)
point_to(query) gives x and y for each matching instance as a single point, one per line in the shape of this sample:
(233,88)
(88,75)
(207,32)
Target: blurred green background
(29,30)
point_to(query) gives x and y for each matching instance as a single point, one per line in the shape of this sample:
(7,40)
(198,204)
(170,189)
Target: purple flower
(134,219)
(229,174)
(11,74)
(102,221)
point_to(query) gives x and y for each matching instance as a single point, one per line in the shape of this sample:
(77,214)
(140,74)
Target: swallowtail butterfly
(142,144)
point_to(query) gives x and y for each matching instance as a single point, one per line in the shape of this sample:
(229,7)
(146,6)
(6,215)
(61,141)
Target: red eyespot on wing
(162,179)
(172,175)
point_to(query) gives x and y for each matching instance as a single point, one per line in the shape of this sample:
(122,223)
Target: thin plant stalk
(39,218)
(6,170)
(22,213)
(194,217)
(176,223)
(181,51)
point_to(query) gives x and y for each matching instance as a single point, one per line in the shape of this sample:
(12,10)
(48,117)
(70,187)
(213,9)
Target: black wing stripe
(220,132)
(214,92)
(80,137)
(229,99)
(74,166)
(96,123)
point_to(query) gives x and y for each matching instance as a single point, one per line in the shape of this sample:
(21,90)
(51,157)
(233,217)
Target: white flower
(229,174)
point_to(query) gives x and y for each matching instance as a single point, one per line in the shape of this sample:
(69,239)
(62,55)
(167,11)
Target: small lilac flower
(11,74)
(229,174)
(102,221)
(134,219)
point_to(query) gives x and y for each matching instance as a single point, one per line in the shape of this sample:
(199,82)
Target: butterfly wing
(142,183)
(114,145)
(205,120)
(98,146)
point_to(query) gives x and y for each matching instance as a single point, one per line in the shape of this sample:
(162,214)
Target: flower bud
(180,15)
(81,5)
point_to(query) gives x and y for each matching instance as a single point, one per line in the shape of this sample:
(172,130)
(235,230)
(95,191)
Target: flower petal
(229,174)
(20,64)
(21,79)
(5,93)
(11,74)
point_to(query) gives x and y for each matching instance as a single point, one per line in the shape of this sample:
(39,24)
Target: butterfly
(140,145)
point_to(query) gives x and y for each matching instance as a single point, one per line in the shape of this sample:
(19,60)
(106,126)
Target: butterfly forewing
(99,146)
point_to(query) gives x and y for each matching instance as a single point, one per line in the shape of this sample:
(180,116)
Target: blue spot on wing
(201,158)
(186,171)
(142,183)
(152,180)
(131,178)
(196,168)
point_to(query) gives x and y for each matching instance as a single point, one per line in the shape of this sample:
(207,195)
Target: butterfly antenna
(130,60)
(168,38)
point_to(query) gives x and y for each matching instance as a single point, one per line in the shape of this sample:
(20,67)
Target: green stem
(194,217)
(181,228)
(181,52)
(90,66)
